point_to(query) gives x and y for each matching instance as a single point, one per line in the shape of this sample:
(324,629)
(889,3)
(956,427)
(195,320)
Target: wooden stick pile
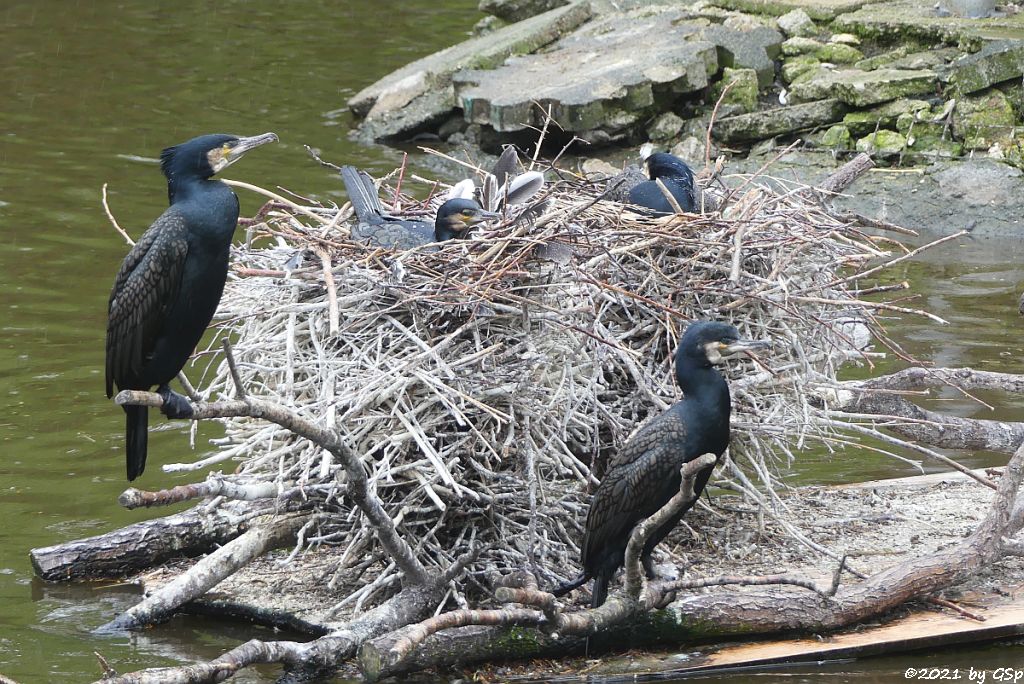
(485,384)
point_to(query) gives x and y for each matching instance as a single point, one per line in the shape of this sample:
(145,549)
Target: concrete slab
(772,122)
(815,9)
(595,78)
(753,47)
(864,88)
(421,91)
(918,18)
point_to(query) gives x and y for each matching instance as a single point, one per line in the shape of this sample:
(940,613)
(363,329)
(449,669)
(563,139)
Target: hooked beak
(243,145)
(480,217)
(740,346)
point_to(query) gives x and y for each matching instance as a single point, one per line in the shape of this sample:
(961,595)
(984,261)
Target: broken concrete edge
(435,71)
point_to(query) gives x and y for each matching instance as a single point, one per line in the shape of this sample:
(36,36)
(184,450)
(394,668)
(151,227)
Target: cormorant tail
(564,589)
(136,435)
(600,591)
(363,195)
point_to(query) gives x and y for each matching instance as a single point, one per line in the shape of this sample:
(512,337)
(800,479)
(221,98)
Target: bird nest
(485,384)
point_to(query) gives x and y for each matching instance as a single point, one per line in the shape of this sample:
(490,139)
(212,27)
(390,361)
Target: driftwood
(142,545)
(445,411)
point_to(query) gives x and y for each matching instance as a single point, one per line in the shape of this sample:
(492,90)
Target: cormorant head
(706,343)
(665,165)
(206,155)
(457,216)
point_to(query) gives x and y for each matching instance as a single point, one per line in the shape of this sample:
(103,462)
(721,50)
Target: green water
(91,91)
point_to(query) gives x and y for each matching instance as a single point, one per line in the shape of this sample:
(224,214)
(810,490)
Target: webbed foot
(175,405)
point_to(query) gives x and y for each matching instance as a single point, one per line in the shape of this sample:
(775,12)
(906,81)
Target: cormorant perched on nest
(677,178)
(644,475)
(373,226)
(169,285)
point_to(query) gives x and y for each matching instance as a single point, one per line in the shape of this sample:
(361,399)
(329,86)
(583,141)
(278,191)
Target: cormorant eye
(467,213)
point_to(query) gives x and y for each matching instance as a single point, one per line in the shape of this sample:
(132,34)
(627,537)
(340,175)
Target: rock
(837,137)
(900,20)
(844,39)
(421,92)
(994,63)
(822,10)
(982,183)
(864,88)
(882,144)
(801,46)
(772,122)
(691,149)
(595,79)
(745,22)
(665,127)
(839,53)
(795,67)
(598,168)
(971,9)
(884,59)
(885,115)
(985,120)
(797,23)
(753,49)
(517,10)
(743,91)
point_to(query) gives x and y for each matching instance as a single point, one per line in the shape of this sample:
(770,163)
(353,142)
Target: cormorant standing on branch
(454,218)
(169,285)
(644,475)
(677,178)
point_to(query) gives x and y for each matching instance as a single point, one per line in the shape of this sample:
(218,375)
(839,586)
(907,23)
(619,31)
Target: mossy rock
(743,91)
(837,137)
(882,144)
(933,145)
(801,45)
(795,67)
(839,53)
(885,115)
(985,120)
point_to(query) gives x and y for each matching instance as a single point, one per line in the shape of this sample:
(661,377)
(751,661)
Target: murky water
(91,92)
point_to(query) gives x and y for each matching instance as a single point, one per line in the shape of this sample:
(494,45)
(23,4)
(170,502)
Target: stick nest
(486,383)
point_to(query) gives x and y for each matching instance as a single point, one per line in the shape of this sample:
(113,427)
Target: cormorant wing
(629,491)
(363,194)
(146,286)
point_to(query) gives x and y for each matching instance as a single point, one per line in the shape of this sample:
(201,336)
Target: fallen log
(142,545)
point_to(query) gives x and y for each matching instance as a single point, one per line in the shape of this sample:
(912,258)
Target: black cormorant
(677,178)
(170,283)
(373,226)
(644,474)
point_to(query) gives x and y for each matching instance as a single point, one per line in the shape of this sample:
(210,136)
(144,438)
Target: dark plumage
(170,283)
(675,175)
(373,226)
(644,474)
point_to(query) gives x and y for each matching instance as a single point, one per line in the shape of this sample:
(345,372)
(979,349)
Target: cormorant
(675,175)
(644,475)
(169,285)
(373,226)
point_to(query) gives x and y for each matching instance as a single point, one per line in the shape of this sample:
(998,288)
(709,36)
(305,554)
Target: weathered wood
(205,574)
(144,544)
(846,174)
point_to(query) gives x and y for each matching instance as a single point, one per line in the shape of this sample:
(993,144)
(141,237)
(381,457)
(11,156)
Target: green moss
(795,67)
(837,137)
(885,115)
(882,144)
(743,91)
(984,120)
(838,53)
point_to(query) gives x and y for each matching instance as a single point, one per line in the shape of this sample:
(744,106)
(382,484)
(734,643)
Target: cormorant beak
(741,346)
(243,145)
(477,217)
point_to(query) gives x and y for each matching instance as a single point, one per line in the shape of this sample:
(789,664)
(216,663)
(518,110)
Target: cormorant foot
(175,405)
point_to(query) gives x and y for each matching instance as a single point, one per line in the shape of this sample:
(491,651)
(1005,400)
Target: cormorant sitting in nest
(170,283)
(677,178)
(644,475)
(454,218)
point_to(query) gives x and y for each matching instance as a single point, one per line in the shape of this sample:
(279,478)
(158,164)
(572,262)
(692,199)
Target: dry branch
(208,572)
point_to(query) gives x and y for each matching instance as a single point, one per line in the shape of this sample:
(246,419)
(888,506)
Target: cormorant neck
(442,232)
(704,384)
(181,187)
